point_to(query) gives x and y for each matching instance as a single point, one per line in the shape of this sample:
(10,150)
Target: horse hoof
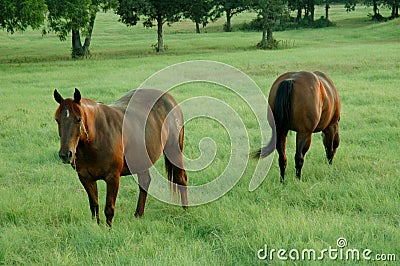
(138,215)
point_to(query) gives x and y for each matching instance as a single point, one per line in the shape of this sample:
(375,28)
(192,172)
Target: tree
(200,11)
(17,15)
(327,6)
(350,5)
(394,5)
(309,9)
(375,7)
(297,5)
(269,11)
(77,17)
(231,8)
(161,11)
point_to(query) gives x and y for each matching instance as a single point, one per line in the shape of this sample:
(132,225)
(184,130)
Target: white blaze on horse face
(66,113)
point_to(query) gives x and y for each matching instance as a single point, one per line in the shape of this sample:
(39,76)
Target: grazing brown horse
(95,139)
(305,102)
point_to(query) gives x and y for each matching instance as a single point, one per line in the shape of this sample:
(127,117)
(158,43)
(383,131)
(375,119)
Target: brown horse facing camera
(305,102)
(101,145)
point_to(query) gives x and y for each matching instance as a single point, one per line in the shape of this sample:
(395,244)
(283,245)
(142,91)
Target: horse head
(331,140)
(71,128)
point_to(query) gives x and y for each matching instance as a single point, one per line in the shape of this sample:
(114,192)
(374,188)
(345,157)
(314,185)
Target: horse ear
(58,97)
(77,96)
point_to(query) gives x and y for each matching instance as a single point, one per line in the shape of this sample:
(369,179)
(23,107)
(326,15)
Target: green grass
(44,212)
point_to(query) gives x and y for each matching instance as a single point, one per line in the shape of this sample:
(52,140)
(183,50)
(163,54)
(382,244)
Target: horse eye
(78,120)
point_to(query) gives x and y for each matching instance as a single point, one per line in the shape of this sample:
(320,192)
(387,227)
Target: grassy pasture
(44,212)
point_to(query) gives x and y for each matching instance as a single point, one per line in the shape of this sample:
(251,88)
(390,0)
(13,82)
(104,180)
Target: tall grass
(44,212)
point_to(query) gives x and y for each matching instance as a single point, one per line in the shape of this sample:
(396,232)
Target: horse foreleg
(303,142)
(281,148)
(112,191)
(144,182)
(91,190)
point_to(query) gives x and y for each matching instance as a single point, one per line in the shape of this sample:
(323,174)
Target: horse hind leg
(281,148)
(303,142)
(144,183)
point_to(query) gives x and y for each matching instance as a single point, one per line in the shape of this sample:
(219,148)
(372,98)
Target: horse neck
(88,130)
(96,119)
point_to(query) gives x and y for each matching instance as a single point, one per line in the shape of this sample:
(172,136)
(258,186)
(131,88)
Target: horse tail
(168,168)
(267,149)
(176,173)
(282,105)
(282,110)
(270,147)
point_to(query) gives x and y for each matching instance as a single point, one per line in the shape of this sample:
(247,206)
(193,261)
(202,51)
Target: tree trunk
(267,40)
(375,8)
(228,20)
(263,43)
(299,11)
(312,10)
(327,12)
(270,39)
(395,9)
(306,12)
(77,49)
(89,36)
(160,45)
(197,27)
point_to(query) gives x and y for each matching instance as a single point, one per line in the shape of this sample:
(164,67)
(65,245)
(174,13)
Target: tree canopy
(17,15)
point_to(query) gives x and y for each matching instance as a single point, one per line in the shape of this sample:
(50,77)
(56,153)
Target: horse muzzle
(66,156)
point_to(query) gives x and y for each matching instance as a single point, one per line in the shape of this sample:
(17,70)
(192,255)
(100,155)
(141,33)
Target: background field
(44,213)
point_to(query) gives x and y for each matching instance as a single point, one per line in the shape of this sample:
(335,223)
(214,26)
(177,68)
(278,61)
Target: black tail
(176,173)
(270,147)
(282,105)
(282,110)
(168,168)
(266,150)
